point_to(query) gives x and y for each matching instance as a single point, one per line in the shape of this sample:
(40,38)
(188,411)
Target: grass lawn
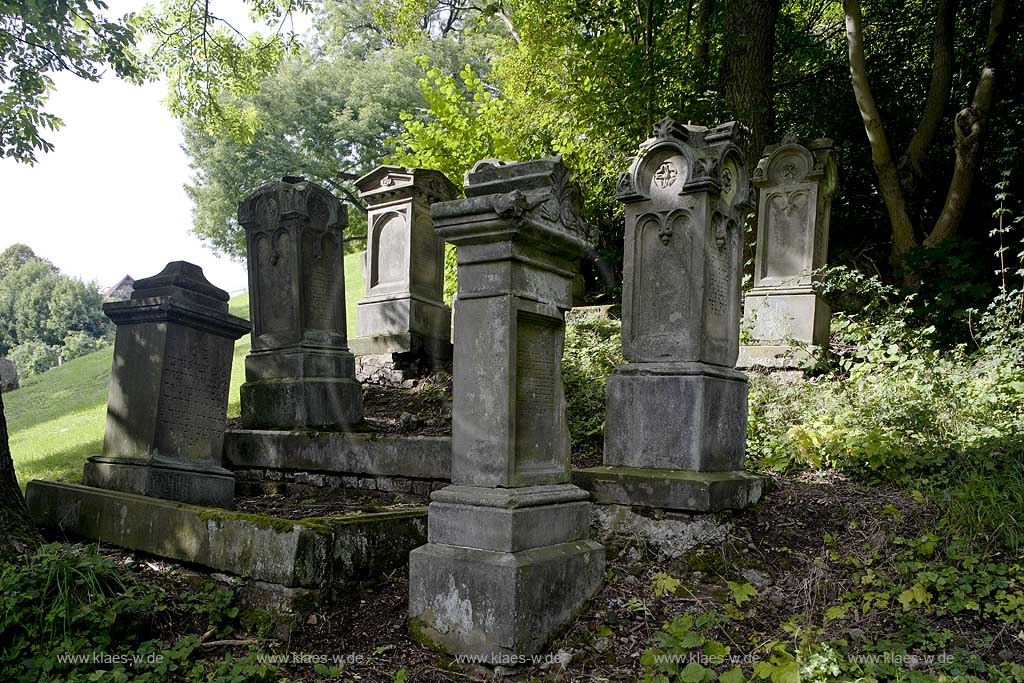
(56,419)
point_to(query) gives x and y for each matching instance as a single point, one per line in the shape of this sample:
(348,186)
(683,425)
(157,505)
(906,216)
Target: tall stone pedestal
(403,325)
(508,561)
(676,413)
(168,395)
(787,320)
(300,372)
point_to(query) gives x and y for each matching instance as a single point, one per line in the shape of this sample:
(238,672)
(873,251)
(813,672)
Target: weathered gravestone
(168,395)
(508,560)
(300,372)
(676,413)
(8,375)
(785,316)
(402,323)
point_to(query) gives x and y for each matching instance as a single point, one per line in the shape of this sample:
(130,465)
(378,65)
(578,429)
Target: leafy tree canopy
(39,38)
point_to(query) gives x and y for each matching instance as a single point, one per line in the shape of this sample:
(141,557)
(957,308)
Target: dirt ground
(779,546)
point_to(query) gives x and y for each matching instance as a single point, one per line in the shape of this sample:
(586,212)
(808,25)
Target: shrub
(33,357)
(70,615)
(592,351)
(79,343)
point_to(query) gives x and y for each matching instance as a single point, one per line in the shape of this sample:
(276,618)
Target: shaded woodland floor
(805,556)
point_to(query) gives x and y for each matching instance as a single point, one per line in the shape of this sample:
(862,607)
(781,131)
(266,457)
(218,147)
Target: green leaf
(734,675)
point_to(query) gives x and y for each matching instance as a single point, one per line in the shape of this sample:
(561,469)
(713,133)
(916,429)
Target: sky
(109,200)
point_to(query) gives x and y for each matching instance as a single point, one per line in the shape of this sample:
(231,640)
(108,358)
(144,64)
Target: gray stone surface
(415,457)
(167,402)
(508,560)
(678,405)
(666,536)
(321,554)
(8,375)
(671,489)
(292,554)
(499,606)
(796,182)
(300,372)
(402,311)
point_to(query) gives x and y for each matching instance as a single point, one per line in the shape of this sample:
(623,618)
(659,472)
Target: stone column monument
(403,325)
(786,318)
(676,413)
(508,559)
(8,375)
(300,372)
(168,393)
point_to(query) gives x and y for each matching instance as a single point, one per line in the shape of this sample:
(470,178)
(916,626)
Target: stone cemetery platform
(294,563)
(676,412)
(161,486)
(368,460)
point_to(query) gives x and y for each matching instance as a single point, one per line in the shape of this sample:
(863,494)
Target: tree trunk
(18,536)
(702,45)
(938,94)
(881,153)
(748,27)
(968,127)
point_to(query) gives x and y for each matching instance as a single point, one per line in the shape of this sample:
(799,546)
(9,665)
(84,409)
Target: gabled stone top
(291,198)
(388,183)
(537,193)
(711,160)
(181,275)
(180,292)
(798,161)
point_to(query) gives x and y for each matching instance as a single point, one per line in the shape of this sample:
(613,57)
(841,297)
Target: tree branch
(910,163)
(968,127)
(881,153)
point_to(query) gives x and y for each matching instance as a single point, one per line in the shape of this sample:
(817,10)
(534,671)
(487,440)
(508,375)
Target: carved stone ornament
(666,175)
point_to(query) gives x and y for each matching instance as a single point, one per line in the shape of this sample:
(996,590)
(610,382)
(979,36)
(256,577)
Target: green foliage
(326,112)
(209,64)
(40,307)
(592,351)
(39,38)
(461,128)
(895,406)
(33,357)
(70,615)
(78,343)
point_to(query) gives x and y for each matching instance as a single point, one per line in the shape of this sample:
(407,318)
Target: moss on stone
(218,516)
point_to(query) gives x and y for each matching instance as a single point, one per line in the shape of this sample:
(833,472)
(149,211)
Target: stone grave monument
(676,412)
(403,325)
(8,375)
(168,395)
(508,560)
(786,319)
(300,372)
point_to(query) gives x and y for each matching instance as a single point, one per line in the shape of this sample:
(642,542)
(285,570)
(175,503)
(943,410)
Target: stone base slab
(685,416)
(671,489)
(320,554)
(358,453)
(777,314)
(311,402)
(293,554)
(158,479)
(432,351)
(780,357)
(505,530)
(495,605)
(390,315)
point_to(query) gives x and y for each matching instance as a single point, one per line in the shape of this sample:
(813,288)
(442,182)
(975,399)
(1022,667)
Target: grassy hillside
(56,419)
